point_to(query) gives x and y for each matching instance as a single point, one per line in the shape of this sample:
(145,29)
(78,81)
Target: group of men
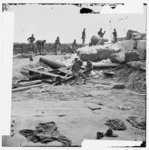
(101,34)
(57,44)
(77,64)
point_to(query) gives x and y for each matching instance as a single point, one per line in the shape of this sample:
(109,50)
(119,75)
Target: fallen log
(25,88)
(51,63)
(29,83)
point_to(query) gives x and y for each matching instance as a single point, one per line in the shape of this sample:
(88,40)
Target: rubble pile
(130,52)
(131,49)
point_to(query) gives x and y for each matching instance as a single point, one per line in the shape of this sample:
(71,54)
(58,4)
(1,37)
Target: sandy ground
(68,106)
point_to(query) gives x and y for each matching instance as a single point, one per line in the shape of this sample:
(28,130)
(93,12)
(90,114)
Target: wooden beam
(44,73)
(25,88)
(29,83)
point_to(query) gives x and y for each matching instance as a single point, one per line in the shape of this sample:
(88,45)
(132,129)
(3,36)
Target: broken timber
(29,83)
(25,88)
(71,77)
(44,73)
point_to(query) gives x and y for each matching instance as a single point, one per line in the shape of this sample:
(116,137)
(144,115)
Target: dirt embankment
(134,79)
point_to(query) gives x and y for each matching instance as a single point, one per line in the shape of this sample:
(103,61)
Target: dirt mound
(134,79)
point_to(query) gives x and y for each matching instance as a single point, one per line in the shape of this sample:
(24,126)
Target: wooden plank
(93,106)
(25,88)
(44,73)
(29,83)
(65,70)
(99,65)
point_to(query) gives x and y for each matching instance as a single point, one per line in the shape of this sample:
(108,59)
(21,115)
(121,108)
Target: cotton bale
(141,48)
(103,54)
(118,57)
(131,56)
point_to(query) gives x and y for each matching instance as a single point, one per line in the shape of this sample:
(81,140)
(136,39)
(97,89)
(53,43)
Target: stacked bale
(120,52)
(87,54)
(94,53)
(141,48)
(125,52)
(118,57)
(103,53)
(130,34)
(131,56)
(127,45)
(139,36)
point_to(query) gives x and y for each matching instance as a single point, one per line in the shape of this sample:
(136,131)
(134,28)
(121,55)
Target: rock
(124,108)
(137,122)
(118,86)
(93,106)
(116,124)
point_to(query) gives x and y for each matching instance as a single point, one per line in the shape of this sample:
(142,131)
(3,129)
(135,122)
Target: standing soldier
(31,42)
(114,36)
(57,46)
(74,46)
(100,32)
(83,36)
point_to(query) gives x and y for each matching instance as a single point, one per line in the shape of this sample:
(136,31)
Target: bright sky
(49,21)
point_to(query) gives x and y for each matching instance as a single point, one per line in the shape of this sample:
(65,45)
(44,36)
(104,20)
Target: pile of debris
(133,48)
(49,71)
